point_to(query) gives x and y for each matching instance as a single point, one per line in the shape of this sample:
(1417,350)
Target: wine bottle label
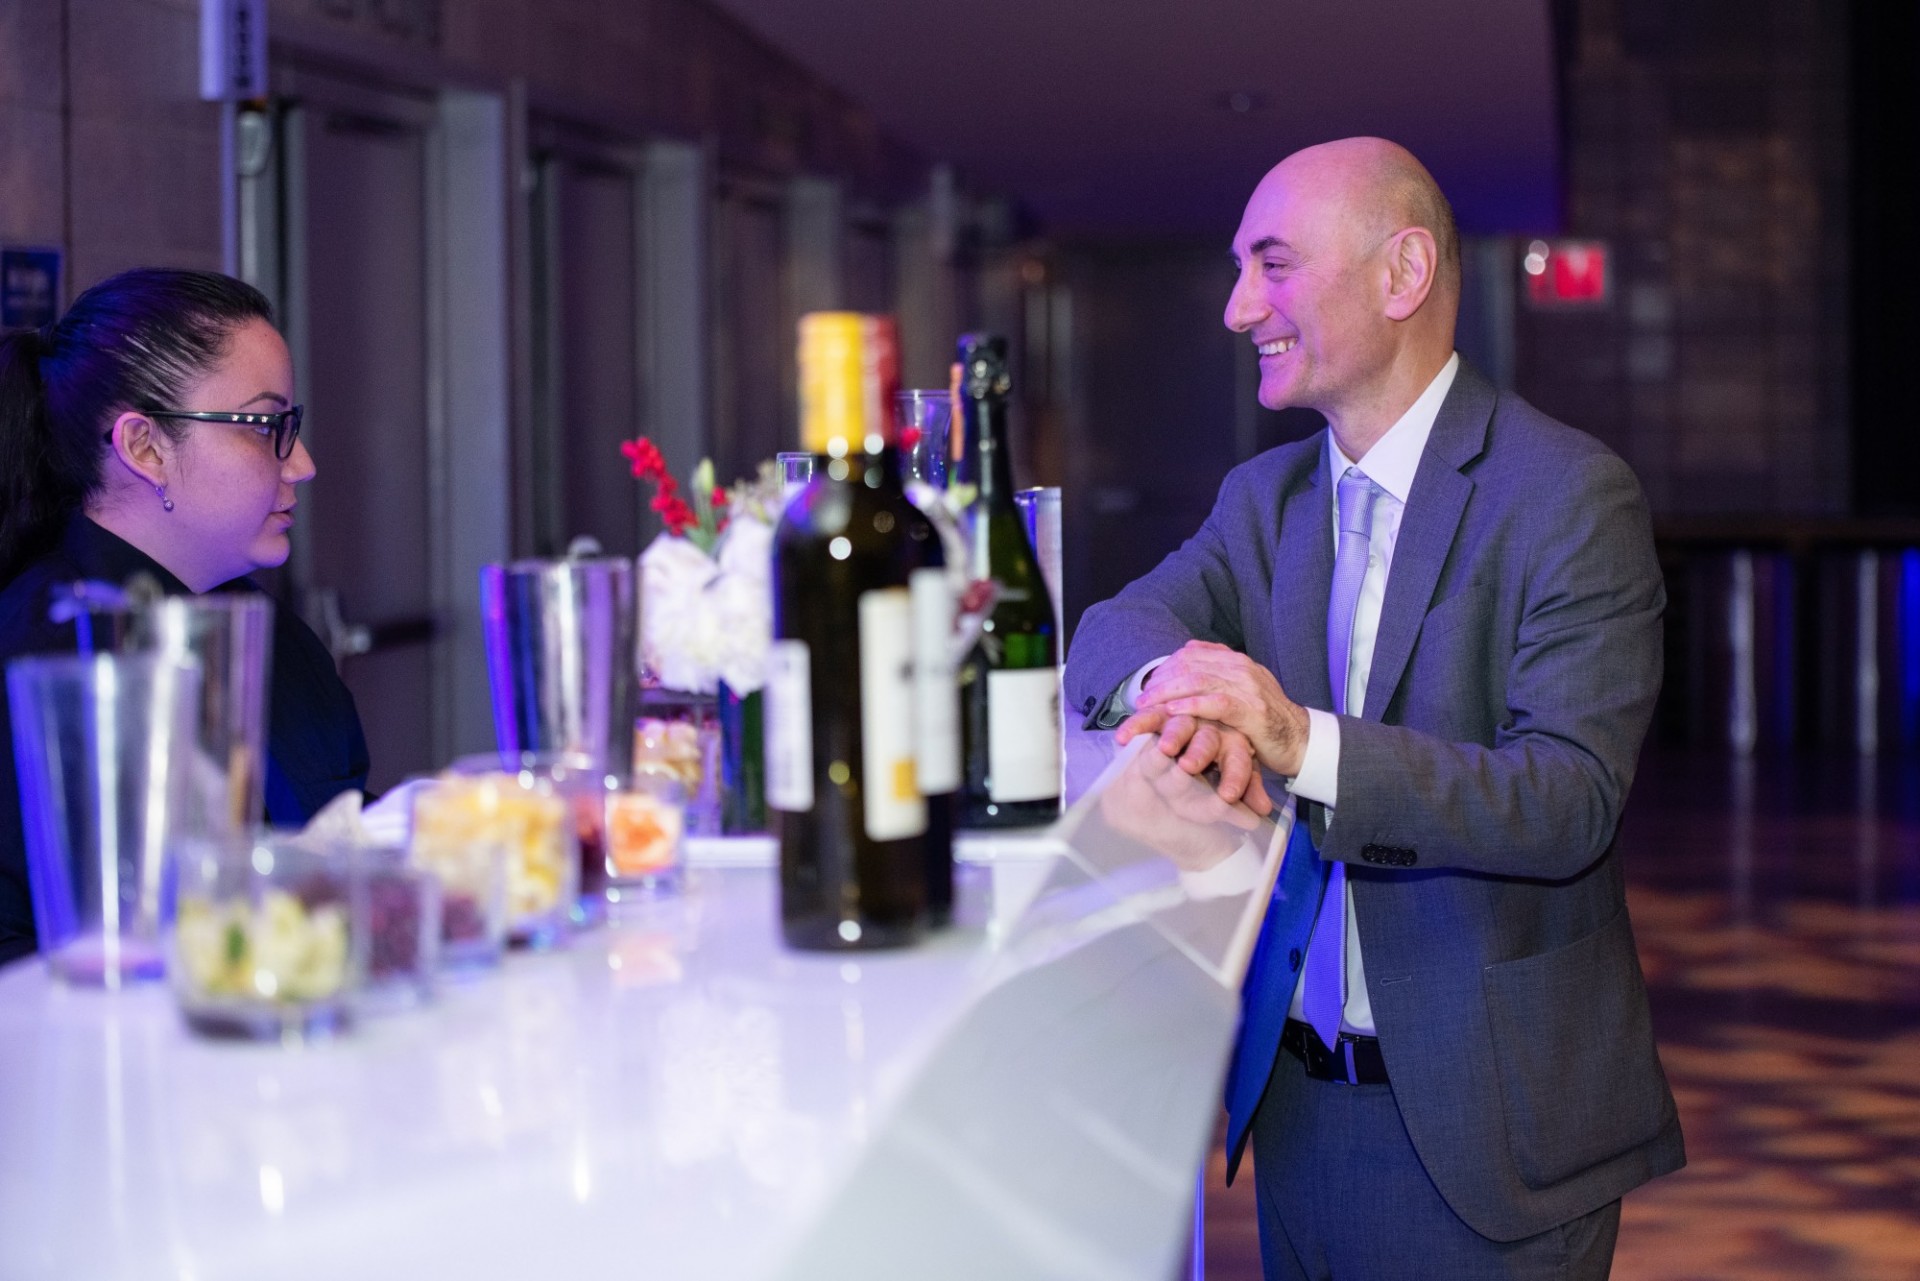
(890,783)
(789,726)
(936,696)
(1023,734)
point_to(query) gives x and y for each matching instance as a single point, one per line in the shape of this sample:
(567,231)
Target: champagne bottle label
(890,783)
(936,696)
(789,726)
(1023,734)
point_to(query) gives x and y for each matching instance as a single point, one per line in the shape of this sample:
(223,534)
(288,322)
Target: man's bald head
(1376,189)
(1348,283)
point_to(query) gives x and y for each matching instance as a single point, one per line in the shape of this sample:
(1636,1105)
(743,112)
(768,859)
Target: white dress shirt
(1391,465)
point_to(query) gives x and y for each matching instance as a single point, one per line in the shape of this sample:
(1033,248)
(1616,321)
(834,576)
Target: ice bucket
(561,656)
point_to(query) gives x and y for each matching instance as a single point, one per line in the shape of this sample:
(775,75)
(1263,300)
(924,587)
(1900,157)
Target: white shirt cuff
(1319,776)
(1130,692)
(1238,873)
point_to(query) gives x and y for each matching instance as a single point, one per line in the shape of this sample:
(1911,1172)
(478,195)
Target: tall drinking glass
(924,421)
(229,636)
(561,653)
(101,743)
(1040,510)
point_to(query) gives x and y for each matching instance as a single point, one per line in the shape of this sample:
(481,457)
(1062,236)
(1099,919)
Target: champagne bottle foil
(849,372)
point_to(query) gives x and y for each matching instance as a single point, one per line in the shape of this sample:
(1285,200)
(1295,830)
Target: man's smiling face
(1308,276)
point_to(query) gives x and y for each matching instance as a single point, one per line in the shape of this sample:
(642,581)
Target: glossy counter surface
(677,1095)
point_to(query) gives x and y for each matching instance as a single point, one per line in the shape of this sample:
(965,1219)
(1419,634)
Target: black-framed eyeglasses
(285,425)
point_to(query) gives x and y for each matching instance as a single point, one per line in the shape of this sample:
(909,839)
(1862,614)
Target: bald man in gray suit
(1439,622)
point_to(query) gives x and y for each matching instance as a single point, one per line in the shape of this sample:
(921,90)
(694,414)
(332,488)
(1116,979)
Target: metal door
(587,299)
(339,232)
(754,375)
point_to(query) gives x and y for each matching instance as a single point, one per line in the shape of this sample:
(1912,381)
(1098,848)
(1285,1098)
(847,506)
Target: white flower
(746,549)
(705,619)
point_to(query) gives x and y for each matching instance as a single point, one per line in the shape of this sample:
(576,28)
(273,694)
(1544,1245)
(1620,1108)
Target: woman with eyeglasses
(153,430)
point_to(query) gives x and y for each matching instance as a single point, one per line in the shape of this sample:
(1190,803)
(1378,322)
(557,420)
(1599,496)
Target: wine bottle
(842,772)
(1010,682)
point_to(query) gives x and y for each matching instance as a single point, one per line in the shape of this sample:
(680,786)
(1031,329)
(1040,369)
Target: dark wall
(1885,133)
(1706,143)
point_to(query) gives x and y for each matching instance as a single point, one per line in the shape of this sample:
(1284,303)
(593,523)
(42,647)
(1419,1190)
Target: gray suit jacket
(1513,678)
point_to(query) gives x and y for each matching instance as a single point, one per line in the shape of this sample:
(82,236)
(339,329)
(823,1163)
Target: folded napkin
(348,820)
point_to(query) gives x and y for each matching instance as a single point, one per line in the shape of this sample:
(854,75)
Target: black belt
(1355,1061)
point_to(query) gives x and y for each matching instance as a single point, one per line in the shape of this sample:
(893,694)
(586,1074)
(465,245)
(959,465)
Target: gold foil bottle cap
(849,370)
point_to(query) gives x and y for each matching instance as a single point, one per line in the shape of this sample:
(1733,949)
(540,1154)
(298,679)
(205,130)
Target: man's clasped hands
(1216,709)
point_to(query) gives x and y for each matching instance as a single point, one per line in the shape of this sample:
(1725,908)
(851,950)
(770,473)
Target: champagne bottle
(1010,683)
(841,761)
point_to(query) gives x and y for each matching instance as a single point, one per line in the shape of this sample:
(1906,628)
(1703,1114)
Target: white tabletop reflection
(677,1095)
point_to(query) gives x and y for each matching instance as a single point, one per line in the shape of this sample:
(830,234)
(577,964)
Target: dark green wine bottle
(842,781)
(1010,683)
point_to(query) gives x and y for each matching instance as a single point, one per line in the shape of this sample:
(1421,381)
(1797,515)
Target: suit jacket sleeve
(1542,796)
(1190,595)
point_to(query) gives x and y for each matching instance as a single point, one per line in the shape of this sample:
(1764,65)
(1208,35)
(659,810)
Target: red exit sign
(1568,273)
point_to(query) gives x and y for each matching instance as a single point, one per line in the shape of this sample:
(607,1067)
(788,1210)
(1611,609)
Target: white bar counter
(677,1095)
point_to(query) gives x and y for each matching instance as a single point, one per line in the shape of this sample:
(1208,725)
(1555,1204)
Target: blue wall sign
(29,287)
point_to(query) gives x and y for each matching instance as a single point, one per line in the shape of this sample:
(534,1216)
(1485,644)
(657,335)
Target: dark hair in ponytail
(136,340)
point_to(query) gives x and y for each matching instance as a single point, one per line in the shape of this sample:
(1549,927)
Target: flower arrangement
(707,582)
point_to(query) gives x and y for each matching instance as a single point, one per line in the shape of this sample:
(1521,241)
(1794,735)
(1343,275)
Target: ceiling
(1157,116)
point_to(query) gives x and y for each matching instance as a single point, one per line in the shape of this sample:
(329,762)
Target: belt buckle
(1333,1063)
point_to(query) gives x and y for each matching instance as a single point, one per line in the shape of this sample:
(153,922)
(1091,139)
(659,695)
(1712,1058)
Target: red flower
(676,513)
(648,464)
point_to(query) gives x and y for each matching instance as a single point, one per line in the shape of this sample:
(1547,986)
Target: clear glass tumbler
(463,824)
(796,469)
(646,829)
(269,937)
(102,747)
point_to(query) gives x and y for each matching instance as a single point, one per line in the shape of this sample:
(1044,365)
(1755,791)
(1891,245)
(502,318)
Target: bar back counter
(677,1095)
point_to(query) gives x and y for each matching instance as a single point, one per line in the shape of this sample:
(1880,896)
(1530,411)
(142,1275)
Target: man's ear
(1413,262)
(141,448)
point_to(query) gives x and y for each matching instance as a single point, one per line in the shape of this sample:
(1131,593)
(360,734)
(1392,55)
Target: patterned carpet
(1777,907)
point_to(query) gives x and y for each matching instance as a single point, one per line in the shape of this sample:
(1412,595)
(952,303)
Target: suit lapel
(1302,584)
(1427,528)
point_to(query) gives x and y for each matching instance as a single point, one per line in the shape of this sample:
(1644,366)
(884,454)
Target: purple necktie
(1326,981)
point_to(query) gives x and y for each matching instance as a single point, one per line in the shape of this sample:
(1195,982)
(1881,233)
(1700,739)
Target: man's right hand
(1217,684)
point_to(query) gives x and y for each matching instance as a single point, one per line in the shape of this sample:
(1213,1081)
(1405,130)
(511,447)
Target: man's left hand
(1215,683)
(1200,746)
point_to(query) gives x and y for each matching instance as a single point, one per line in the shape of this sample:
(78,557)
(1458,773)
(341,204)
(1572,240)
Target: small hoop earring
(166,504)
